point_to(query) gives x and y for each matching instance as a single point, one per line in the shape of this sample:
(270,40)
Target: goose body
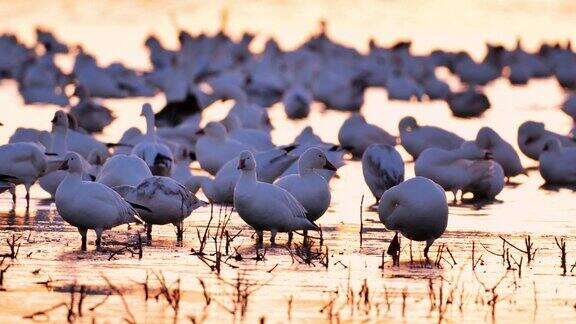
(383,168)
(558,163)
(264,206)
(309,187)
(356,135)
(89,205)
(123,170)
(532,136)
(415,138)
(502,151)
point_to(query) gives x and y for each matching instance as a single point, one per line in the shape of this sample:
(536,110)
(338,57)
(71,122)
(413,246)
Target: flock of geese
(146,177)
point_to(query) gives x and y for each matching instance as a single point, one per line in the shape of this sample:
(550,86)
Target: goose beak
(192,156)
(53,120)
(241,164)
(200,132)
(64,166)
(1,124)
(329,166)
(488,156)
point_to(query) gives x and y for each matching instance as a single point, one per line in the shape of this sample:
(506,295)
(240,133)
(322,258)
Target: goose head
(98,156)
(184,155)
(60,122)
(246,161)
(530,132)
(232,122)
(407,123)
(314,158)
(485,137)
(72,163)
(356,118)
(147,110)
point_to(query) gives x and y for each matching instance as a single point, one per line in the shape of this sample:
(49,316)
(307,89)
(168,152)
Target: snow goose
(182,160)
(451,169)
(569,106)
(157,156)
(356,135)
(468,103)
(416,208)
(308,187)
(160,201)
(58,150)
(123,170)
(22,163)
(296,101)
(257,139)
(250,114)
(90,205)
(416,138)
(264,206)
(502,151)
(269,166)
(91,115)
(558,163)
(215,148)
(532,136)
(383,168)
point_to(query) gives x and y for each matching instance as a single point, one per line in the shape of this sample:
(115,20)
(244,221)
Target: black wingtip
(137,206)
(5,177)
(289,147)
(50,154)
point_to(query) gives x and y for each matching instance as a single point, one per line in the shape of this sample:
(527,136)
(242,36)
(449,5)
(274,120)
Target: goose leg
(306,240)
(455,193)
(290,237)
(394,250)
(27,199)
(98,239)
(273,237)
(426,249)
(83,233)
(259,238)
(149,234)
(179,232)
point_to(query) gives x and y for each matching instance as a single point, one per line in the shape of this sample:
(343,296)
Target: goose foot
(179,233)
(98,239)
(259,239)
(426,249)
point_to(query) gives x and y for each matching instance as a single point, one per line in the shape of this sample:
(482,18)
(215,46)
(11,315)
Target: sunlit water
(115,31)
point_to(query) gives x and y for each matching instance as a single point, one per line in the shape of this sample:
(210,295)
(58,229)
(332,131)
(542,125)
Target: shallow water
(49,264)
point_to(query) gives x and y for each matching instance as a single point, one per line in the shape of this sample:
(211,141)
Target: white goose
(532,136)
(308,187)
(157,156)
(383,168)
(123,170)
(90,205)
(22,163)
(215,148)
(257,139)
(416,208)
(264,206)
(182,160)
(502,151)
(160,201)
(269,166)
(451,169)
(416,138)
(558,163)
(569,106)
(58,150)
(356,135)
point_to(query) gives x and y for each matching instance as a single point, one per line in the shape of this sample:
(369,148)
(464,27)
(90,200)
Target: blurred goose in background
(257,139)
(251,115)
(160,201)
(502,151)
(50,43)
(264,206)
(91,115)
(416,138)
(123,170)
(558,163)
(182,160)
(269,166)
(356,135)
(452,169)
(402,87)
(468,103)
(96,80)
(90,205)
(42,82)
(214,148)
(532,136)
(417,209)
(296,100)
(308,187)
(383,168)
(157,156)
(569,106)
